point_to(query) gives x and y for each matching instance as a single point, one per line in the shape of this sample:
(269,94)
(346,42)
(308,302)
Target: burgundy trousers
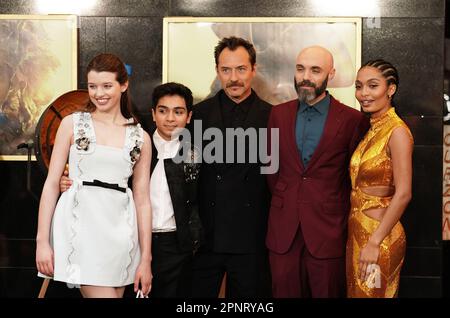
(297,273)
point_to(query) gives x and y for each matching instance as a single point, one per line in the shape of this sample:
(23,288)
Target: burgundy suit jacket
(317,197)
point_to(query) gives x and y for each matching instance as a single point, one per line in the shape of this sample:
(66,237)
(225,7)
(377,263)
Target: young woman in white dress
(97,236)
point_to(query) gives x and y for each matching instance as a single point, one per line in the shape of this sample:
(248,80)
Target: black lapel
(255,115)
(214,116)
(154,154)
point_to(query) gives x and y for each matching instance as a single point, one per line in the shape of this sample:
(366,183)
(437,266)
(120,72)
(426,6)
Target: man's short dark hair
(232,43)
(171,89)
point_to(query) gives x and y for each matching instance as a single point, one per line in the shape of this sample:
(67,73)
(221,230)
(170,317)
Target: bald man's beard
(306,95)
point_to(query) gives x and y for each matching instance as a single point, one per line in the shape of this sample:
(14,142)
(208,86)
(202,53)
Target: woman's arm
(49,197)
(141,193)
(400,147)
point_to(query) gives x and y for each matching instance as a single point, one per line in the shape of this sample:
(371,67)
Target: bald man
(311,190)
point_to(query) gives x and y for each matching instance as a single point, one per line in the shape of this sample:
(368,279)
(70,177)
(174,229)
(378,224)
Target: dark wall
(410,35)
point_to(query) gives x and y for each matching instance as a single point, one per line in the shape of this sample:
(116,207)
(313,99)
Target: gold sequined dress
(371,166)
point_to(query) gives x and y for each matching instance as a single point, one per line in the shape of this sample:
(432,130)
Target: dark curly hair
(232,43)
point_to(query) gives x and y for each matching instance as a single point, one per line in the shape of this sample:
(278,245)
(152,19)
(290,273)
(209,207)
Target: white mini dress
(94,231)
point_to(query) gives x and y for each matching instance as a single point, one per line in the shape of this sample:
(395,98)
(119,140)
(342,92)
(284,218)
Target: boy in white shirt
(176,226)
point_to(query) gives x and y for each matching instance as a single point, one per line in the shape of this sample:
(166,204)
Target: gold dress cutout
(371,166)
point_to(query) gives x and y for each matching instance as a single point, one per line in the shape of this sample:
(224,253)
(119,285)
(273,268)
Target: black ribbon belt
(98,183)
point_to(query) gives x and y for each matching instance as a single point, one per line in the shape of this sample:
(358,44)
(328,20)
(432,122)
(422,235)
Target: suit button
(304,178)
(190,222)
(213,203)
(246,178)
(219,177)
(188,202)
(247,205)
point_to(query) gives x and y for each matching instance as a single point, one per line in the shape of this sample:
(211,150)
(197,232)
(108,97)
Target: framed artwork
(38,63)
(188,52)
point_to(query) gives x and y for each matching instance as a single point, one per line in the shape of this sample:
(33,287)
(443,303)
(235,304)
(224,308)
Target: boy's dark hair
(232,43)
(171,89)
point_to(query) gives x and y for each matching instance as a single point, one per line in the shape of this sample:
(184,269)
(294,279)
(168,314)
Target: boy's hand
(65,182)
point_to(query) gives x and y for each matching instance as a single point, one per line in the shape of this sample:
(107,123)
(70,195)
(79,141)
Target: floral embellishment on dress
(135,153)
(134,143)
(82,142)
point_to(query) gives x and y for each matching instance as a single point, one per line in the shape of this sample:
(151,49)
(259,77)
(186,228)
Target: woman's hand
(368,258)
(144,277)
(44,258)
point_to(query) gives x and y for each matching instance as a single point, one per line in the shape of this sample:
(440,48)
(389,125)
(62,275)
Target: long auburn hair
(107,62)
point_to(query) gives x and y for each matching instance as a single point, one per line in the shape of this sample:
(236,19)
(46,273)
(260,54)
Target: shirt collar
(243,105)
(166,149)
(321,107)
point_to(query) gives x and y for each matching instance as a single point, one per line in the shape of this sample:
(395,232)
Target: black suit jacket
(234,198)
(182,179)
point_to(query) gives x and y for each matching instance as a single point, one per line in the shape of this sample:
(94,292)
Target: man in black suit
(233,196)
